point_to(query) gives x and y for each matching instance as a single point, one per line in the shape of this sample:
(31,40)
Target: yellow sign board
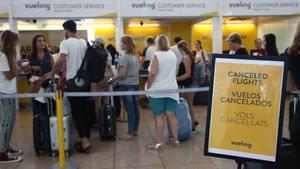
(246,106)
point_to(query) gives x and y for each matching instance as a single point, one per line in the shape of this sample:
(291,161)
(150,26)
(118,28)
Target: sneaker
(194,130)
(14,152)
(196,124)
(6,158)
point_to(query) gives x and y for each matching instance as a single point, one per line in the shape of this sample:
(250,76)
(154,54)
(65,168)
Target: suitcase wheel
(54,154)
(37,153)
(68,153)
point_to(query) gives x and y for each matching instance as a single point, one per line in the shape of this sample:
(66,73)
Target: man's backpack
(96,63)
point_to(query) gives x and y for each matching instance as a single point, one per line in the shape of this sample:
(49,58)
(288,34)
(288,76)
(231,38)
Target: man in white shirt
(73,50)
(177,52)
(151,49)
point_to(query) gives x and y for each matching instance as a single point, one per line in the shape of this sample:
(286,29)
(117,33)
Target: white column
(217,35)
(119,31)
(12,22)
(119,26)
(218,31)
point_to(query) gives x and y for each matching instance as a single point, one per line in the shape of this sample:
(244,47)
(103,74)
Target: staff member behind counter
(235,44)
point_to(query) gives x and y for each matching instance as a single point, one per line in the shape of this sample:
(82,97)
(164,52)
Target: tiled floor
(124,155)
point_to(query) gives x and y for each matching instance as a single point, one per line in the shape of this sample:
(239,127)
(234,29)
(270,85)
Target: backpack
(96,63)
(199,73)
(82,81)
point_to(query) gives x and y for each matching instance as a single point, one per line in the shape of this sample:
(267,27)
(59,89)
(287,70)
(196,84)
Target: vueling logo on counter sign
(38,5)
(168,6)
(240,5)
(59,7)
(144,4)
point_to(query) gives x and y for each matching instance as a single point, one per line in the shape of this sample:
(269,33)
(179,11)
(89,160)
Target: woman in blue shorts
(162,76)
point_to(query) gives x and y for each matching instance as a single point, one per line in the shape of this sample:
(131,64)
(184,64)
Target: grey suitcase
(68,129)
(68,134)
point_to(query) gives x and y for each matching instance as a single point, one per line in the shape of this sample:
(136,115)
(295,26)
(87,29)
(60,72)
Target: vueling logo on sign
(144,4)
(38,5)
(240,5)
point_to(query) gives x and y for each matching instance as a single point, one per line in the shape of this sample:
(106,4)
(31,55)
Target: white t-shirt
(166,76)
(199,56)
(6,86)
(178,56)
(75,50)
(150,52)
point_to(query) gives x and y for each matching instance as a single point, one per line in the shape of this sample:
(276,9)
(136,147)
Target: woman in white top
(201,55)
(162,76)
(8,72)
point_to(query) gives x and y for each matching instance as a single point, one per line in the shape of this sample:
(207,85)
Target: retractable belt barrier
(62,164)
(115,93)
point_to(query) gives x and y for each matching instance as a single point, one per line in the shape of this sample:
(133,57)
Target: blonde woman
(128,78)
(162,76)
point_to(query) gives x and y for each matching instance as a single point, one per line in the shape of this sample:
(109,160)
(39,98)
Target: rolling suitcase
(294,106)
(201,98)
(41,130)
(107,130)
(67,135)
(108,121)
(285,160)
(67,128)
(41,134)
(184,121)
(287,155)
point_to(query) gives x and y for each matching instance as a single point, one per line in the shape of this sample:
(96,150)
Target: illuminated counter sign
(260,7)
(64,8)
(4,9)
(167,8)
(246,107)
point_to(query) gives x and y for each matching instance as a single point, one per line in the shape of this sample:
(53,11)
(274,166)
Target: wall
(140,34)
(284,31)
(181,29)
(171,29)
(108,34)
(204,33)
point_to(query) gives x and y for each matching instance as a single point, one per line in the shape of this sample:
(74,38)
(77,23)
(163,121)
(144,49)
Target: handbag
(41,99)
(291,85)
(81,82)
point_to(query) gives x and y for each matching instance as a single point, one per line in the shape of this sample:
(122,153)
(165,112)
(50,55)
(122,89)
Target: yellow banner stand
(62,164)
(245,113)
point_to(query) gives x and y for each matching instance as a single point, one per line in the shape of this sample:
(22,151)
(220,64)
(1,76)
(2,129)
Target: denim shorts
(162,105)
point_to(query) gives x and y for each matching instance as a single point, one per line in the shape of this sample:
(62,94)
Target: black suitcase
(201,98)
(285,160)
(107,124)
(41,134)
(41,124)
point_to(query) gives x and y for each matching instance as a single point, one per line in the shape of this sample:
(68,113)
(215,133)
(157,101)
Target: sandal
(157,146)
(80,149)
(176,144)
(170,140)
(127,137)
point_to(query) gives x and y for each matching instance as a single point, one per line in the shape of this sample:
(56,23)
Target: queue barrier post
(60,129)
(62,163)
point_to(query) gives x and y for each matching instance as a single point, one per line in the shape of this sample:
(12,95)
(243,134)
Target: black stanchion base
(240,162)
(69,165)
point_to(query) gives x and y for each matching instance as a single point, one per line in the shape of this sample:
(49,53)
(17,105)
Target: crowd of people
(169,68)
